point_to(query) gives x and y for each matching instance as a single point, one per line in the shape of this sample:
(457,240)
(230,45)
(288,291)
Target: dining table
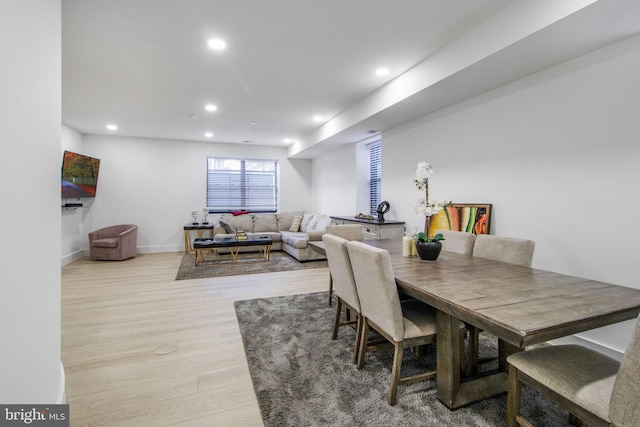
(521,306)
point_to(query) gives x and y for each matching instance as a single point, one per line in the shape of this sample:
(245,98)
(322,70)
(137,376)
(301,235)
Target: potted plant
(428,248)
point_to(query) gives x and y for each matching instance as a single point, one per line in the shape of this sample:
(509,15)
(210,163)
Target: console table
(374,229)
(199,228)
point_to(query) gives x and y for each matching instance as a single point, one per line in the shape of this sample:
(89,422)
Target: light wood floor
(117,315)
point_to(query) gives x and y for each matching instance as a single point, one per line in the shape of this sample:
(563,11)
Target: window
(375,176)
(242,184)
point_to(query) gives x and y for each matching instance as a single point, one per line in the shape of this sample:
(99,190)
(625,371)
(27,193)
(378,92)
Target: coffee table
(204,244)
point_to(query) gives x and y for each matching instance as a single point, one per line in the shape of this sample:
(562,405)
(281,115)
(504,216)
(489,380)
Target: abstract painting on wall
(467,217)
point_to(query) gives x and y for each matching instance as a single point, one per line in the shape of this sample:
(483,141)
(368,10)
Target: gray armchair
(114,243)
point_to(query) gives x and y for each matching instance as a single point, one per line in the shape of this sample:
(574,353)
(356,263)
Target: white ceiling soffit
(522,39)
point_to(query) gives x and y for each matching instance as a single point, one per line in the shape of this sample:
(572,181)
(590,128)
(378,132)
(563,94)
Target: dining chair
(503,249)
(410,324)
(458,242)
(344,288)
(348,232)
(594,388)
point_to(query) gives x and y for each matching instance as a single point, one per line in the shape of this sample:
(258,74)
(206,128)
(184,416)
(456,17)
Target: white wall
(157,183)
(557,155)
(30,367)
(334,182)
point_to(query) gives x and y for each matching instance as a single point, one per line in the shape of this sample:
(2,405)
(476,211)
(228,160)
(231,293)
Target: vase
(428,251)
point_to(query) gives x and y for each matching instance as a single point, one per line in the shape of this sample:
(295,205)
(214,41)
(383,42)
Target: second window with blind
(242,184)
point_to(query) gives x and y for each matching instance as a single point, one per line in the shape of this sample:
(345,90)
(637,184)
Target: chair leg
(330,288)
(336,319)
(363,342)
(356,349)
(513,398)
(395,373)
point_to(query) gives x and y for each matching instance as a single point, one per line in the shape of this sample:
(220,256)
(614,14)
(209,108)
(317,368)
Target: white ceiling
(145,65)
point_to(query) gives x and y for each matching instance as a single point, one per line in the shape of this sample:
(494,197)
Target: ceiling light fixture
(217,44)
(317,119)
(209,134)
(112,127)
(210,107)
(382,72)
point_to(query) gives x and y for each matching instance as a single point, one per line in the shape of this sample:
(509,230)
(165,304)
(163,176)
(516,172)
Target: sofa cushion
(265,222)
(106,243)
(285,219)
(275,236)
(240,222)
(297,240)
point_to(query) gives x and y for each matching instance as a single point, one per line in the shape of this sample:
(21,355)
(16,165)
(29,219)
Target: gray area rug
(302,378)
(248,263)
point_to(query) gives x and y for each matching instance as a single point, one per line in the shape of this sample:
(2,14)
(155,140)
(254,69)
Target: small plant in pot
(428,247)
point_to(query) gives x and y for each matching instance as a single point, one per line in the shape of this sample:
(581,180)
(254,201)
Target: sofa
(290,232)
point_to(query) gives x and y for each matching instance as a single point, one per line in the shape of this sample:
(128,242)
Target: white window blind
(375,176)
(242,184)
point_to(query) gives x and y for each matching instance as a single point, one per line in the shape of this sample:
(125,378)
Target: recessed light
(209,134)
(211,107)
(288,140)
(382,72)
(217,44)
(317,119)
(112,127)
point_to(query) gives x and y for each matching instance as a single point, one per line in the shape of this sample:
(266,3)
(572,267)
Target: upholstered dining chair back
(458,242)
(504,249)
(344,285)
(592,387)
(377,289)
(624,409)
(346,231)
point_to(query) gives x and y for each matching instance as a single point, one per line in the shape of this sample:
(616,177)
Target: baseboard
(160,249)
(74,256)
(574,339)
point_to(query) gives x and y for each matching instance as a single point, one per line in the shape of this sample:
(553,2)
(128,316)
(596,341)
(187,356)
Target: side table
(199,228)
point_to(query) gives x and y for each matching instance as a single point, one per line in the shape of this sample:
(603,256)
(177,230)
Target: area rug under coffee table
(248,263)
(302,378)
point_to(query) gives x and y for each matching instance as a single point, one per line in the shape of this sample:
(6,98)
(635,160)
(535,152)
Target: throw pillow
(228,228)
(295,224)
(306,219)
(312,224)
(322,223)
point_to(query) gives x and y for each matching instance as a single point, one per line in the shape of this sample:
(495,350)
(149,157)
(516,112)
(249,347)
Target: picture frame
(467,217)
